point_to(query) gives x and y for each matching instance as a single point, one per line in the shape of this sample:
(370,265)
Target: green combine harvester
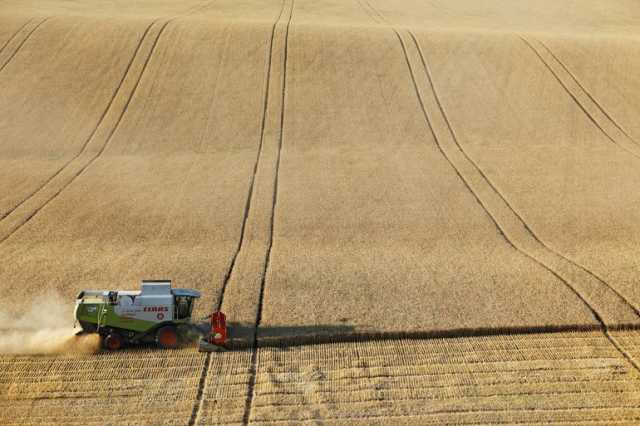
(157,313)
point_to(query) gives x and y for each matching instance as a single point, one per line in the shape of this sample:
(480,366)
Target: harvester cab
(157,313)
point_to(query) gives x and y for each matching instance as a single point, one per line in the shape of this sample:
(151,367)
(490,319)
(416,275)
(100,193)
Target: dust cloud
(45,327)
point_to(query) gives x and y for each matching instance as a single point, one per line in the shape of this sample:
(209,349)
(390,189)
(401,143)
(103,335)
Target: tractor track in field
(107,140)
(495,189)
(201,389)
(598,123)
(254,351)
(481,172)
(247,207)
(597,316)
(102,116)
(15,34)
(22,42)
(93,132)
(486,179)
(586,92)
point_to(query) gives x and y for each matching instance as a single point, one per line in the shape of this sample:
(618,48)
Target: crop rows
(355,174)
(536,378)
(544,378)
(204,165)
(138,386)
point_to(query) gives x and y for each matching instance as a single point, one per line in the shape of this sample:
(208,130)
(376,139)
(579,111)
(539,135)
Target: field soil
(410,211)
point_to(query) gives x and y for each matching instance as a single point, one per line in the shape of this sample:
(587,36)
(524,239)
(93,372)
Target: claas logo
(156,309)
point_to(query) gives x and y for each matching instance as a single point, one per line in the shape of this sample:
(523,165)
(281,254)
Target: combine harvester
(157,313)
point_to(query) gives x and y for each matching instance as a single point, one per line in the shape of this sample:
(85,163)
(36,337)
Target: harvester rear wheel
(113,342)
(167,337)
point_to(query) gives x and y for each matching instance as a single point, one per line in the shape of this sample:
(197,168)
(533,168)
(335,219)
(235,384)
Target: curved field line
(247,207)
(575,99)
(495,189)
(133,92)
(586,92)
(424,112)
(114,95)
(596,315)
(476,196)
(104,146)
(593,274)
(200,8)
(603,325)
(15,34)
(254,352)
(455,169)
(93,132)
(28,36)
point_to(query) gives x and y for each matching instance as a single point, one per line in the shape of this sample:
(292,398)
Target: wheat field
(410,211)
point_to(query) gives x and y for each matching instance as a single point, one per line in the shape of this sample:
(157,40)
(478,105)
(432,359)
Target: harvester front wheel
(167,337)
(113,342)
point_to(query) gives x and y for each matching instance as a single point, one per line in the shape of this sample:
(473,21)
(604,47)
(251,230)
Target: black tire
(88,327)
(167,337)
(113,341)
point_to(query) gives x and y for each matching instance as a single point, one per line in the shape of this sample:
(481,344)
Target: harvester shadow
(242,336)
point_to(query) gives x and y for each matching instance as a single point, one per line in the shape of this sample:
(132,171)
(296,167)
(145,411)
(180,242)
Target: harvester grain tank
(156,313)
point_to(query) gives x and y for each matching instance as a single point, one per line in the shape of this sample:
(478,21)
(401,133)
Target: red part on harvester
(218,334)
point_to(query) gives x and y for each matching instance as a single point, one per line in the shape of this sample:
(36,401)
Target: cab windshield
(183,307)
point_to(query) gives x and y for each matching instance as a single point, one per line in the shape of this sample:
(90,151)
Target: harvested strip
(225,391)
(367,380)
(629,341)
(142,386)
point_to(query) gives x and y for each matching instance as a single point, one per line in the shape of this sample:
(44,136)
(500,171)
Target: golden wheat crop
(365,187)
